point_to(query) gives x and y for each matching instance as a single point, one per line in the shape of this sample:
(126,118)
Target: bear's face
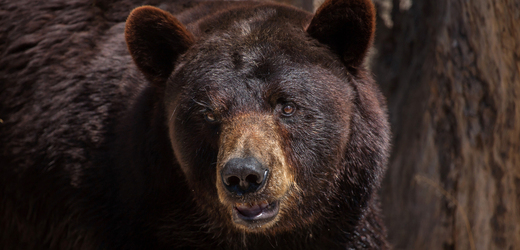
(258,129)
(258,111)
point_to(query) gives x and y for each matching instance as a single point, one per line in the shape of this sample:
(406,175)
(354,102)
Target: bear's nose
(243,175)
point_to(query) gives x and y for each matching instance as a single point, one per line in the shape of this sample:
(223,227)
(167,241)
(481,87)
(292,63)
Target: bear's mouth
(255,214)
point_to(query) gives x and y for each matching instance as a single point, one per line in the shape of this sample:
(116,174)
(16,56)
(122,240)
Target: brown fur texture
(153,36)
(256,136)
(108,148)
(350,33)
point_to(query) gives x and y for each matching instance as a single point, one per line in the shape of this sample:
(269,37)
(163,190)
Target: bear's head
(271,115)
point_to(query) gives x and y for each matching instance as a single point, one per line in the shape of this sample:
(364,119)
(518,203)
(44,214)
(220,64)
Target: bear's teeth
(262,205)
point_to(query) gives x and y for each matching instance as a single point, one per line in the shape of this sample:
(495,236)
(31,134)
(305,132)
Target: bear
(190,125)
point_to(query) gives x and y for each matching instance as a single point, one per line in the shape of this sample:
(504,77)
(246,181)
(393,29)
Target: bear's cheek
(253,177)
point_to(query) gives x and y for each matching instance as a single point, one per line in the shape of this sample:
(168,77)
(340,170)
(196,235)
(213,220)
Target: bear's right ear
(155,40)
(347,27)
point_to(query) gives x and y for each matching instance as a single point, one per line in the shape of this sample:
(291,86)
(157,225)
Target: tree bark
(450,70)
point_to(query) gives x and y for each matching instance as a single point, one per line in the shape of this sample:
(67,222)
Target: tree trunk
(450,70)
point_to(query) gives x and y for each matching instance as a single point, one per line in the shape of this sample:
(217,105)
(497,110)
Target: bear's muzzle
(253,176)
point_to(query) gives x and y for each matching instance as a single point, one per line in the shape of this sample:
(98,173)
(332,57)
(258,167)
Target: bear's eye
(288,109)
(209,116)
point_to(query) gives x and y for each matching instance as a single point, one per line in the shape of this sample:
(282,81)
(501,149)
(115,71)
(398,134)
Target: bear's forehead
(244,21)
(229,88)
(256,20)
(253,33)
(255,57)
(254,70)
(257,72)
(255,53)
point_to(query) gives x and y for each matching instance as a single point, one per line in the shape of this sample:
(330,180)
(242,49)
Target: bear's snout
(253,177)
(242,176)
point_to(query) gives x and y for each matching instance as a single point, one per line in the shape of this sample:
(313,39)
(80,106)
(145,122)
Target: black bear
(227,125)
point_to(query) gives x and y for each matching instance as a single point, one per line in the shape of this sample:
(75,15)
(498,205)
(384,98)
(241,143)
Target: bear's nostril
(233,181)
(243,175)
(252,179)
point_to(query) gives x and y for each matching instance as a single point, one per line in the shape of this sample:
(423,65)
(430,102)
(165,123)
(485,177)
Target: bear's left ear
(155,40)
(347,27)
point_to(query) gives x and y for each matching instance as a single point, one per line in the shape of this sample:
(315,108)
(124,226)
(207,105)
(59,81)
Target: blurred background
(450,72)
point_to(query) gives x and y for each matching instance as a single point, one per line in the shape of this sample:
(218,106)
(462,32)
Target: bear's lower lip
(255,214)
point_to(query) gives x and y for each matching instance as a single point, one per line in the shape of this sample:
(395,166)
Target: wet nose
(243,175)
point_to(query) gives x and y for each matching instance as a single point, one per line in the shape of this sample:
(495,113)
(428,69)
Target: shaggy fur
(104,144)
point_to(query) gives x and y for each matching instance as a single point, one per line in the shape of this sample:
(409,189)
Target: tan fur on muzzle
(253,135)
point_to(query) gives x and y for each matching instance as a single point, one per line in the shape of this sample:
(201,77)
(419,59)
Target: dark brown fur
(98,153)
